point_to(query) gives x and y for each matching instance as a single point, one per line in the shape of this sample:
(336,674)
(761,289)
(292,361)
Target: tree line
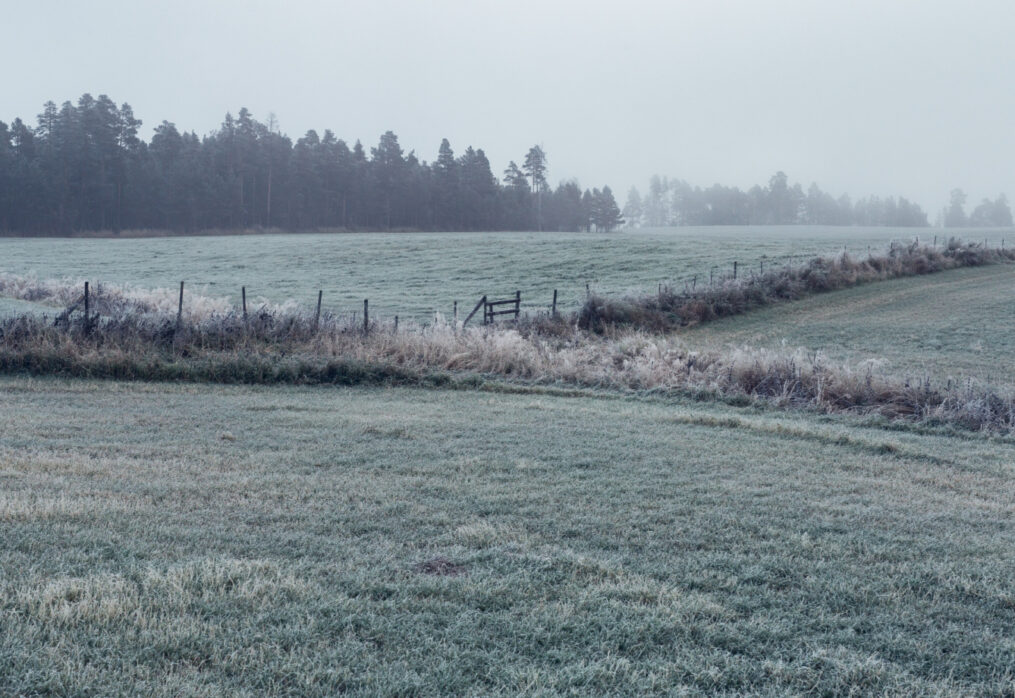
(988,214)
(675,202)
(83,167)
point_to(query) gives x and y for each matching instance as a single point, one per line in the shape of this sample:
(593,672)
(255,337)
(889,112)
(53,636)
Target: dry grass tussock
(671,307)
(288,347)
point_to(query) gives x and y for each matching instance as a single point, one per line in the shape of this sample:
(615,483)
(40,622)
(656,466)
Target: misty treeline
(987,214)
(675,202)
(83,167)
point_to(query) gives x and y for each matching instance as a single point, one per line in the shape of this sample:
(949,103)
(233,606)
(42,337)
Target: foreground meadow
(194,539)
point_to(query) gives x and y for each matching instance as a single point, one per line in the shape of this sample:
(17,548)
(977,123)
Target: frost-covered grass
(205,540)
(136,335)
(413,275)
(952,325)
(670,308)
(283,347)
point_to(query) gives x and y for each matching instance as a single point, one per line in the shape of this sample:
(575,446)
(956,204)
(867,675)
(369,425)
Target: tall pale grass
(111,299)
(270,348)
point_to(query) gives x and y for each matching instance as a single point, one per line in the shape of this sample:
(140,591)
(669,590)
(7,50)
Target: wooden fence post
(553,308)
(243,292)
(587,291)
(179,309)
(86,306)
(366,316)
(456,312)
(518,304)
(734,270)
(396,324)
(317,315)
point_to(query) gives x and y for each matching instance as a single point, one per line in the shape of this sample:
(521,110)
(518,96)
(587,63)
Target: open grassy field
(173,539)
(414,274)
(956,323)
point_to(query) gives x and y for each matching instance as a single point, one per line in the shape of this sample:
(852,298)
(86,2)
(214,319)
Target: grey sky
(892,97)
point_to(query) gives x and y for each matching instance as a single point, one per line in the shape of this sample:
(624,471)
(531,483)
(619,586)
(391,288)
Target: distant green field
(414,274)
(956,323)
(207,540)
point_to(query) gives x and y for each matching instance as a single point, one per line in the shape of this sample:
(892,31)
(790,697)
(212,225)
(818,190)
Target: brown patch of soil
(440,566)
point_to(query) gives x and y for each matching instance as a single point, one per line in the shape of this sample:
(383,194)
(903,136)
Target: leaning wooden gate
(491,309)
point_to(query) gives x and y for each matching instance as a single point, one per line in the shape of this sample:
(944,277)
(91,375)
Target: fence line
(491,309)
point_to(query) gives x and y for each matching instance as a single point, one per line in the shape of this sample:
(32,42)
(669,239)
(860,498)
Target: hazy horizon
(905,100)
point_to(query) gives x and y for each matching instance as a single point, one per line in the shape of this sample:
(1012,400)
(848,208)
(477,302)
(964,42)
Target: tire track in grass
(830,438)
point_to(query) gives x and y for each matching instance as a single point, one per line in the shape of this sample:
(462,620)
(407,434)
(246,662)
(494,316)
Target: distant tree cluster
(83,167)
(675,202)
(989,214)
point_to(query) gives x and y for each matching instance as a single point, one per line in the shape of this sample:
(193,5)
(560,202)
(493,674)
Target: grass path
(191,539)
(954,323)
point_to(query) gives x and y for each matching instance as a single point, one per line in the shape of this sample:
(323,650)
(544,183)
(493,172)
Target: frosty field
(546,518)
(955,324)
(414,274)
(205,540)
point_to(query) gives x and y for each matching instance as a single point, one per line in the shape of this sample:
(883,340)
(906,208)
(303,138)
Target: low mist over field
(904,98)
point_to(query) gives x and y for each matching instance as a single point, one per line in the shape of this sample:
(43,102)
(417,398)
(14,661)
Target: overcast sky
(903,97)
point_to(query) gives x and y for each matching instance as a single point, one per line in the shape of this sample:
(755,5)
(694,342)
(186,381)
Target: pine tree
(535,168)
(388,170)
(633,208)
(955,217)
(605,212)
(513,177)
(447,215)
(6,176)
